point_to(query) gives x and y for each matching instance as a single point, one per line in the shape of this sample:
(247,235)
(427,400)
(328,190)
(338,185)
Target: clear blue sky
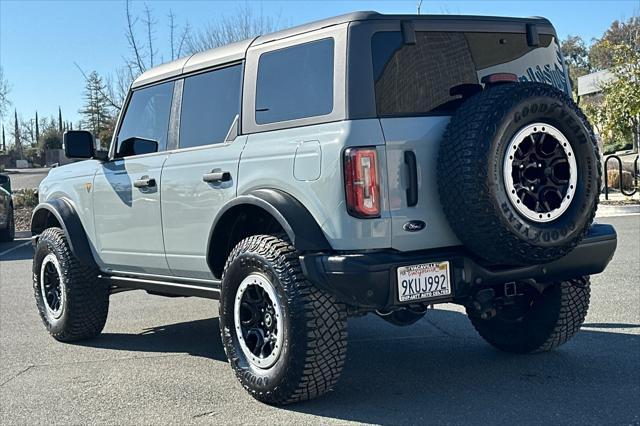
(41,40)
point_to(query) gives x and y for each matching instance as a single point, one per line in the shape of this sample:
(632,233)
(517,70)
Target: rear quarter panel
(269,161)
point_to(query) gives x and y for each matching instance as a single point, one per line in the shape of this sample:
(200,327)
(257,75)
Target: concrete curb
(605,210)
(23,234)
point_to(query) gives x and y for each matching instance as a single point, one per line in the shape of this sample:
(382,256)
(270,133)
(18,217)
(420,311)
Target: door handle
(144,182)
(216,175)
(412,189)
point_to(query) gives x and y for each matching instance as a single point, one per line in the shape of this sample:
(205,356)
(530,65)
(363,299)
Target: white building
(592,83)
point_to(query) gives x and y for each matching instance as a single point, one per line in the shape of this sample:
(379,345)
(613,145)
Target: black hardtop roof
(237,51)
(372,15)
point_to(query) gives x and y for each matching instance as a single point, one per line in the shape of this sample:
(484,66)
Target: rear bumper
(368,280)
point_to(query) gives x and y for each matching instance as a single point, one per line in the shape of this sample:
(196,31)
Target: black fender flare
(300,226)
(65,214)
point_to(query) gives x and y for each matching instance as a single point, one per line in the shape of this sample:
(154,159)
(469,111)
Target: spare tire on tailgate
(519,174)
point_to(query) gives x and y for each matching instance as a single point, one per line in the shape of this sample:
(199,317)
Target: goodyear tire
(538,322)
(73,303)
(286,339)
(518,174)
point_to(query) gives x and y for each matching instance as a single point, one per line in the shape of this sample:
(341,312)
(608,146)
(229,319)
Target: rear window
(210,103)
(295,82)
(415,79)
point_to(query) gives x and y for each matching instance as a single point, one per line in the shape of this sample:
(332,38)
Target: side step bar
(209,290)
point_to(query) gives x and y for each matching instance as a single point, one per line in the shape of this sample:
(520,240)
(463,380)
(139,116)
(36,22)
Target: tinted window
(147,115)
(295,82)
(210,103)
(418,78)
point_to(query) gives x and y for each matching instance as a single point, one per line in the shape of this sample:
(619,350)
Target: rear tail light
(500,77)
(361,182)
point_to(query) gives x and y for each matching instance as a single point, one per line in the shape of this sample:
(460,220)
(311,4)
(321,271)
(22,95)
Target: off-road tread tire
(8,234)
(87,297)
(463,164)
(566,314)
(318,320)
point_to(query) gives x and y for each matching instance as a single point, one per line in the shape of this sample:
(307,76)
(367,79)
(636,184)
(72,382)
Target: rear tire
(551,319)
(72,301)
(309,334)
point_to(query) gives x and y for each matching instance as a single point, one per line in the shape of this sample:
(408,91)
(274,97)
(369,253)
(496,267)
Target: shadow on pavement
(459,379)
(447,374)
(197,338)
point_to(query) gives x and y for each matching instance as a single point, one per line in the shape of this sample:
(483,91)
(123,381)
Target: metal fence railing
(620,170)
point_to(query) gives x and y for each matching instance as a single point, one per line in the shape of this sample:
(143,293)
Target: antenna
(419,6)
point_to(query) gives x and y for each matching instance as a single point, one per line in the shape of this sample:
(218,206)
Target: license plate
(424,281)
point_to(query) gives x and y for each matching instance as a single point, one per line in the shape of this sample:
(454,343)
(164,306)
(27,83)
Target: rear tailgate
(413,83)
(419,136)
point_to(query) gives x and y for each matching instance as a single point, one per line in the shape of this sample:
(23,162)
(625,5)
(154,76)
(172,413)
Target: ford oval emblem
(414,226)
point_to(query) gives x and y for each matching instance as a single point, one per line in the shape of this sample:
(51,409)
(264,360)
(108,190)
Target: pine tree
(16,135)
(59,120)
(37,129)
(4,140)
(96,111)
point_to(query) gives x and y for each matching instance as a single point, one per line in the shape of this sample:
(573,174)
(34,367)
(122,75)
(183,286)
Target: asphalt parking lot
(27,178)
(160,361)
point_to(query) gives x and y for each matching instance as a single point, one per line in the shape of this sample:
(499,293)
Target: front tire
(540,322)
(72,301)
(286,340)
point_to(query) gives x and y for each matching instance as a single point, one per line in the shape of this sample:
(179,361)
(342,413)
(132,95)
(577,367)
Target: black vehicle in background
(7,222)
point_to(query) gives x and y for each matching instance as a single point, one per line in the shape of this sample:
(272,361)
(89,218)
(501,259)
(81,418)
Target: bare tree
(176,45)
(143,53)
(134,45)
(172,30)
(149,23)
(5,88)
(242,25)
(27,132)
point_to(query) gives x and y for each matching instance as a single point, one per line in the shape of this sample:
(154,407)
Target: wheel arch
(262,211)
(61,213)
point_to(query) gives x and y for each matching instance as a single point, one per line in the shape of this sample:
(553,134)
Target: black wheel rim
(258,320)
(540,172)
(51,286)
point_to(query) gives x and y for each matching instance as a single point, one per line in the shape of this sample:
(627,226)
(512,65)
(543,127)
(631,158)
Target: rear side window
(210,102)
(295,82)
(147,115)
(417,78)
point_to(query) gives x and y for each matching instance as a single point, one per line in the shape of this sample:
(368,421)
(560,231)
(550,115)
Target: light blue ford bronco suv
(365,163)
